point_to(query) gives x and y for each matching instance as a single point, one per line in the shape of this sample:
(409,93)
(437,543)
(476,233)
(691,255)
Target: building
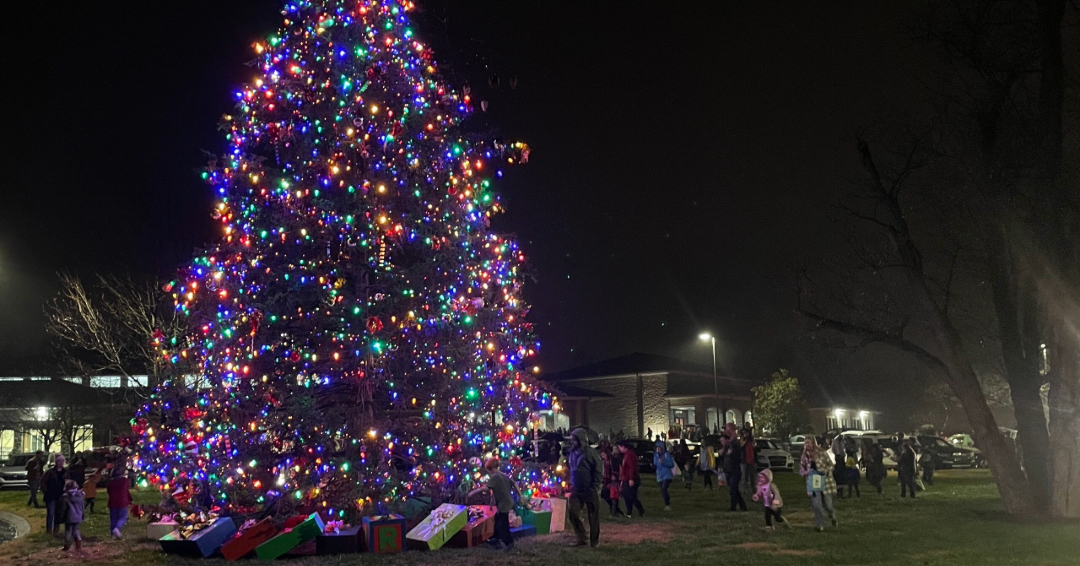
(57,415)
(640,392)
(830,410)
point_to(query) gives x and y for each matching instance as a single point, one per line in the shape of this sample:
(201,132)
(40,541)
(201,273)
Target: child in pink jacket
(769,494)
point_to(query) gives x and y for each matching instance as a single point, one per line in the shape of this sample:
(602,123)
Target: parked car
(773,456)
(946,455)
(962,441)
(13,471)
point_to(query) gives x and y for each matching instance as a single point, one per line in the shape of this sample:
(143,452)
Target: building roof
(50,393)
(630,364)
(697,385)
(568,391)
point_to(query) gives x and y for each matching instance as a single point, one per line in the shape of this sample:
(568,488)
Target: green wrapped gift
(539,519)
(442,524)
(288,540)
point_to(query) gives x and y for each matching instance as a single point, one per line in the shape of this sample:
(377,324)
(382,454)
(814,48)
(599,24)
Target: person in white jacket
(769,494)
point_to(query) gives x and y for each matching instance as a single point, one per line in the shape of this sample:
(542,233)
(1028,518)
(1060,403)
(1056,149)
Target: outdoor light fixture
(41,413)
(706,337)
(838,413)
(863,414)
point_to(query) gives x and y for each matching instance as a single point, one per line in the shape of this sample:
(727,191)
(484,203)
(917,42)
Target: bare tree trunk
(1011,483)
(1064,401)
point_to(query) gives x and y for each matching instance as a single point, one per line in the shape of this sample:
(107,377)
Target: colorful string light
(358,334)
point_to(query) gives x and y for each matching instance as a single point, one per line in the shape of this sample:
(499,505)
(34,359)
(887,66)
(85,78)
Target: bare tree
(111,327)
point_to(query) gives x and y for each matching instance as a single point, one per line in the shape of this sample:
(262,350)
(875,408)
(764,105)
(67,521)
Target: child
(73,499)
(851,465)
(502,489)
(119,498)
(769,494)
(89,489)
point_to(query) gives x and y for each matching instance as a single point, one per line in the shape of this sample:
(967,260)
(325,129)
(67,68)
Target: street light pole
(716,390)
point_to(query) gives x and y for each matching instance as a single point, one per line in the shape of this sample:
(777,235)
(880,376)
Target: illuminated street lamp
(706,337)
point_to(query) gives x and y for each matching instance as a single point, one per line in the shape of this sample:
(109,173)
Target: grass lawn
(959,521)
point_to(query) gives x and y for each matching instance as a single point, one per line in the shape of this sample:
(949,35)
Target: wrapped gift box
(384,534)
(557,506)
(155,531)
(443,523)
(308,548)
(345,541)
(539,519)
(201,544)
(290,539)
(523,531)
(476,531)
(246,541)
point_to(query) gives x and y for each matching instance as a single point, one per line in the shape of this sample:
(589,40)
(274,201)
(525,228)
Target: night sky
(684,158)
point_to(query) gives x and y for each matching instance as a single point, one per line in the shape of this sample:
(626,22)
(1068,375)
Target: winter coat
(586,469)
(76,503)
(52,484)
(628,470)
(907,464)
(34,470)
(119,492)
(664,464)
(767,492)
(732,459)
(822,462)
(89,487)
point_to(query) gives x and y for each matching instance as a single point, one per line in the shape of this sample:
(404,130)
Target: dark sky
(684,154)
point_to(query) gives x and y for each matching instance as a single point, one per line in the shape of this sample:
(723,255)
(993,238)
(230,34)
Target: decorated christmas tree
(358,335)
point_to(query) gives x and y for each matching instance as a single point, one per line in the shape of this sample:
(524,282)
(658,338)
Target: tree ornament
(374,324)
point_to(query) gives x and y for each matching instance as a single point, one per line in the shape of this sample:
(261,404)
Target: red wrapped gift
(479,529)
(247,539)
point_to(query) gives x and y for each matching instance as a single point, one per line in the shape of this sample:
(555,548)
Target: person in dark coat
(874,462)
(907,470)
(586,478)
(732,455)
(609,491)
(77,469)
(52,487)
(35,468)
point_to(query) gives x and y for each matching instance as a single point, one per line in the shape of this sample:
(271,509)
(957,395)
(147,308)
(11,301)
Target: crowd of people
(612,471)
(69,494)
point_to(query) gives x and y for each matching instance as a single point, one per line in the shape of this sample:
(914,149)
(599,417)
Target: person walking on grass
(665,474)
(35,468)
(749,459)
(77,469)
(630,480)
(907,470)
(816,466)
(75,503)
(609,491)
(926,460)
(732,459)
(706,464)
(769,494)
(89,488)
(851,465)
(119,498)
(874,461)
(52,487)
(586,477)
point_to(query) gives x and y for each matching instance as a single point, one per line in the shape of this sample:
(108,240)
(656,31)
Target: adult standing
(706,464)
(683,460)
(77,469)
(665,471)
(907,469)
(52,488)
(749,459)
(631,480)
(874,460)
(732,459)
(839,462)
(816,459)
(586,477)
(119,497)
(35,468)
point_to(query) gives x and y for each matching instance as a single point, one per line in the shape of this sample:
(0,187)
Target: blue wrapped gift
(202,543)
(523,531)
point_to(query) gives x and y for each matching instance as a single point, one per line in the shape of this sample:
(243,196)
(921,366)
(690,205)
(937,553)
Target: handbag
(721,479)
(815,482)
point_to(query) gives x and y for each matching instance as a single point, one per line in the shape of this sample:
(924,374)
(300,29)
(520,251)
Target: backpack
(815,482)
